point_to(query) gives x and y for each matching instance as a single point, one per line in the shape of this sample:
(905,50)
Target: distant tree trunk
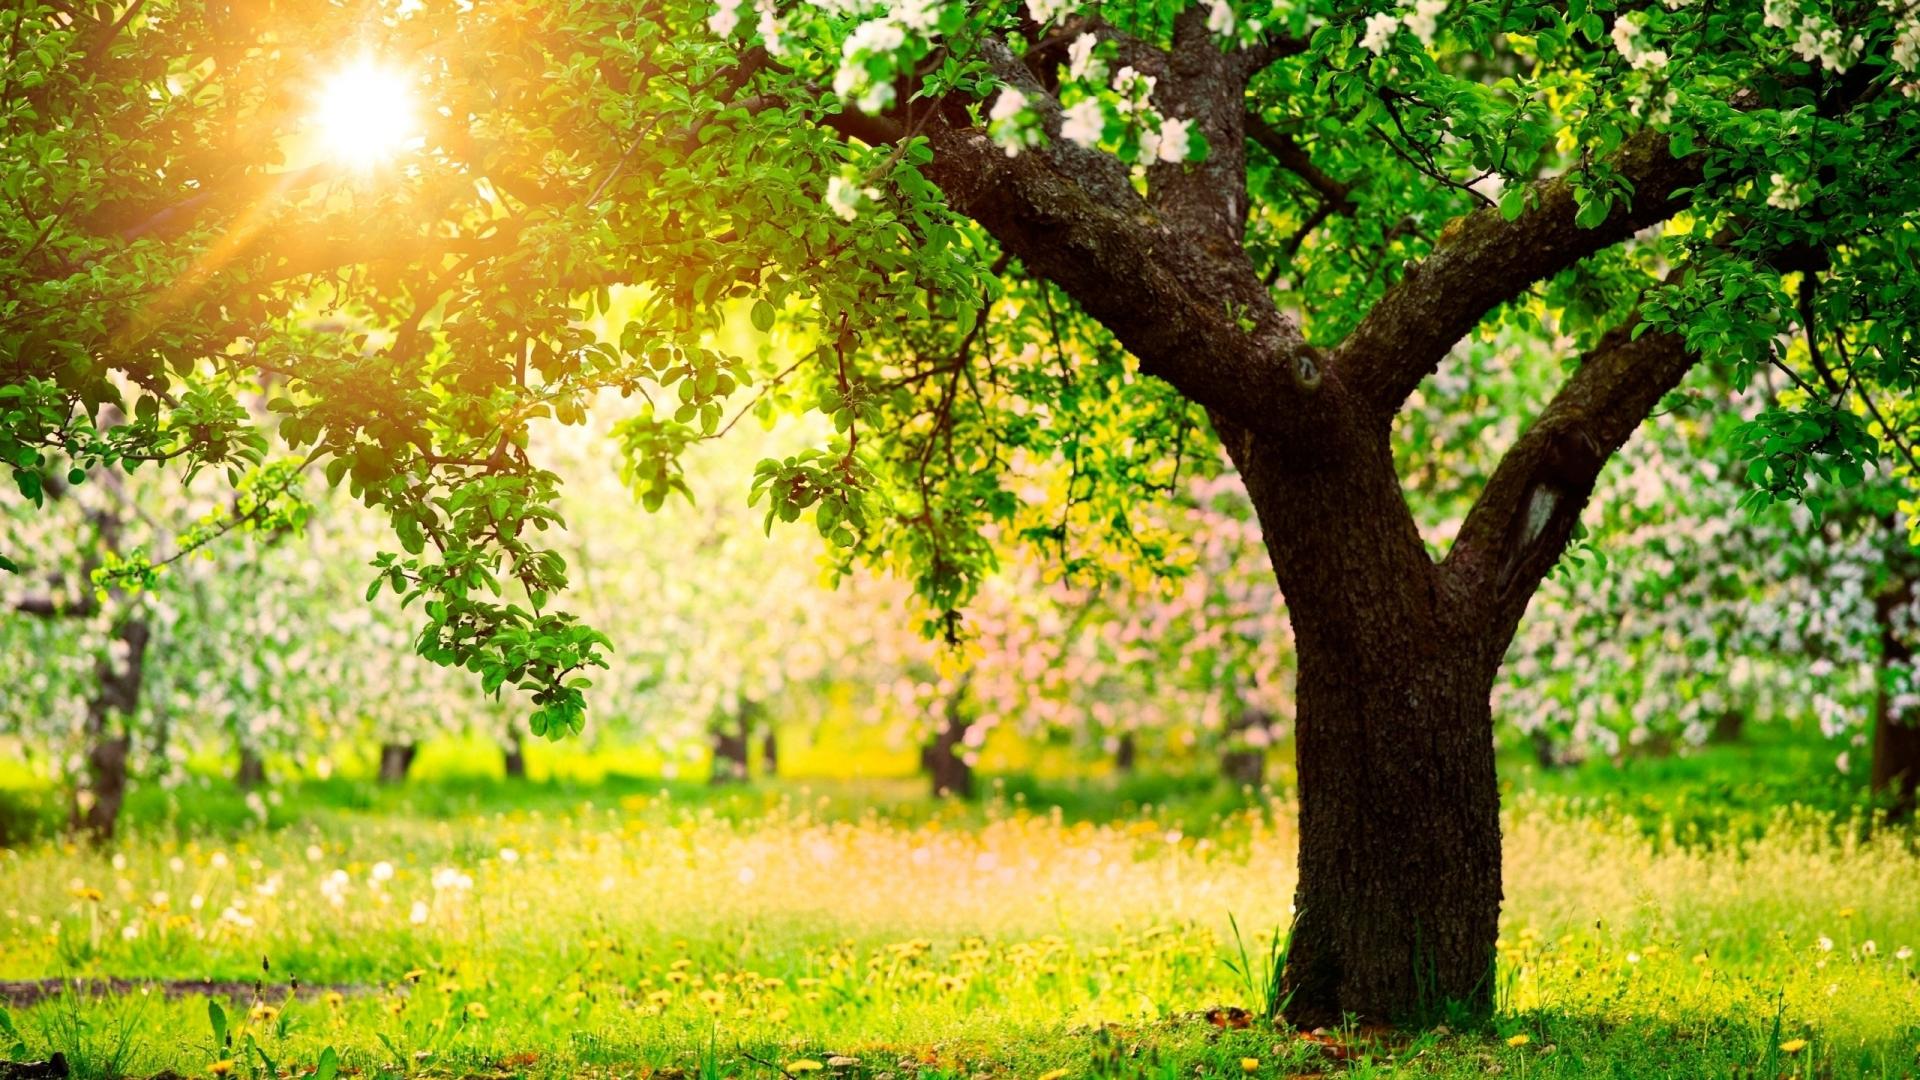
(514,756)
(1896,739)
(1240,764)
(396,761)
(1729,727)
(253,770)
(770,751)
(944,758)
(97,802)
(1125,750)
(730,741)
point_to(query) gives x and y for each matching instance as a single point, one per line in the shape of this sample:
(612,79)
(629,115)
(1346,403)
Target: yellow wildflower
(476,1010)
(1521,1039)
(803,1065)
(1249,1065)
(1054,1074)
(1793,1046)
(221,1067)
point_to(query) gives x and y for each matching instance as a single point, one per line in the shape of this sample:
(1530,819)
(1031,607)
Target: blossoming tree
(989,233)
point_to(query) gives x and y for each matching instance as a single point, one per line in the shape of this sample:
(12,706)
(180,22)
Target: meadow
(1051,931)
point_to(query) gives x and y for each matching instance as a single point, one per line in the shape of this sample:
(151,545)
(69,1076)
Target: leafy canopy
(872,189)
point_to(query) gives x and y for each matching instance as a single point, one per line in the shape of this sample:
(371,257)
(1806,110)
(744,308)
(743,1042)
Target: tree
(985,240)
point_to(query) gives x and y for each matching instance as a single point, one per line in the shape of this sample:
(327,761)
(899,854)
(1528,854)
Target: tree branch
(1198,318)
(1483,261)
(1524,517)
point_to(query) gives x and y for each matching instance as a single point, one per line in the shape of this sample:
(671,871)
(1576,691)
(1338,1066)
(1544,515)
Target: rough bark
(252,772)
(396,761)
(1895,770)
(944,756)
(1399,891)
(1240,764)
(513,757)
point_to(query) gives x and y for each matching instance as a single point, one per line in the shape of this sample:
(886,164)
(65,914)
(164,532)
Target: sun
(365,114)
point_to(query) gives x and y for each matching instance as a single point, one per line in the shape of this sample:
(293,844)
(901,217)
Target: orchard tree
(981,235)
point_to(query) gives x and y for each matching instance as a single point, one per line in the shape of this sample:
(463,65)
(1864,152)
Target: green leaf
(762,315)
(1513,201)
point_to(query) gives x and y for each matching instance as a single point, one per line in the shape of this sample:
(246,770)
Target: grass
(626,927)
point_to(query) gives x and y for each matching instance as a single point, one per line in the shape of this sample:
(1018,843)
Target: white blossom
(1175,142)
(1081,63)
(1220,17)
(844,197)
(1380,28)
(1084,122)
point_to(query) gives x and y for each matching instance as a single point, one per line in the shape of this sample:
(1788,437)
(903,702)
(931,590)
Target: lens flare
(365,114)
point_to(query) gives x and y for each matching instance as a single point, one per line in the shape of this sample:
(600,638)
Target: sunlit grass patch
(665,934)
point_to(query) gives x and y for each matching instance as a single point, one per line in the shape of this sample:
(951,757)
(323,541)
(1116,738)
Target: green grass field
(1670,919)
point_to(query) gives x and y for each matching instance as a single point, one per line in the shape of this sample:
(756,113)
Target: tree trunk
(730,749)
(514,757)
(1126,752)
(1398,902)
(396,760)
(1896,739)
(1243,765)
(944,756)
(1729,727)
(96,802)
(252,772)
(770,751)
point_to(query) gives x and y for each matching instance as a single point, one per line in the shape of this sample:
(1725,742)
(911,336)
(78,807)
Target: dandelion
(1825,943)
(88,893)
(418,915)
(382,872)
(415,975)
(476,1011)
(1053,1074)
(1519,1040)
(1904,952)
(1793,1046)
(334,999)
(1249,1065)
(803,1065)
(262,1013)
(222,1067)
